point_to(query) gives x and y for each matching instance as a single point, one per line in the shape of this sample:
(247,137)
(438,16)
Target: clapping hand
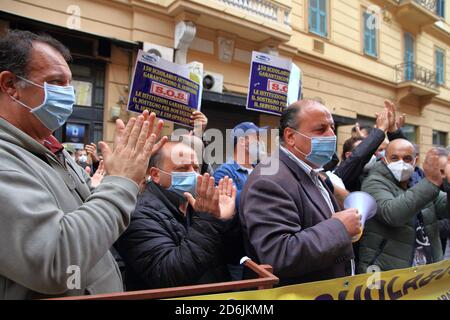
(218,201)
(98,175)
(134,144)
(394,122)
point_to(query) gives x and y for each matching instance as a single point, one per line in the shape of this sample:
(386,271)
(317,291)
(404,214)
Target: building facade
(353,54)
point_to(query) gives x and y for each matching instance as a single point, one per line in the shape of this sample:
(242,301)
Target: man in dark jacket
(290,218)
(360,159)
(175,239)
(404,232)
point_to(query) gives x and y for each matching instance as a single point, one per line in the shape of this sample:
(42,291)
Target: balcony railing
(262,8)
(430,5)
(412,72)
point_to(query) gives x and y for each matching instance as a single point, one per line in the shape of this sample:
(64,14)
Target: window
(409,57)
(440,138)
(410,132)
(318,17)
(440,8)
(440,70)
(370,34)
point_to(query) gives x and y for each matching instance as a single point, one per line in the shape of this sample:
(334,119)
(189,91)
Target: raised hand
(206,199)
(219,202)
(358,130)
(400,123)
(199,121)
(227,198)
(91,150)
(431,168)
(382,120)
(133,146)
(394,123)
(98,175)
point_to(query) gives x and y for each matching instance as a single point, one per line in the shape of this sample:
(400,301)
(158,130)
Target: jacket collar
(155,191)
(310,189)
(15,136)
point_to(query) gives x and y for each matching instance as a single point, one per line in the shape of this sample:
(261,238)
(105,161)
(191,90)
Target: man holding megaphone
(290,218)
(404,231)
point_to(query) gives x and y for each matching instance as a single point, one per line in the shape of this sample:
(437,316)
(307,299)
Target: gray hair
(442,152)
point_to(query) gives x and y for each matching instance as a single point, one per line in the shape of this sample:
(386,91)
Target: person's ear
(348,154)
(8,83)
(289,136)
(154,173)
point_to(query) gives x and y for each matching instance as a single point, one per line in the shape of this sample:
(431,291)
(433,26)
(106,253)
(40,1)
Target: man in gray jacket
(404,231)
(55,232)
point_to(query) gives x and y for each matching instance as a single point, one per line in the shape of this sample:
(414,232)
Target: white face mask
(82,158)
(401,170)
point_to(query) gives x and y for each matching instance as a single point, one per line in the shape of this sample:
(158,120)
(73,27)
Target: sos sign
(163,91)
(277,86)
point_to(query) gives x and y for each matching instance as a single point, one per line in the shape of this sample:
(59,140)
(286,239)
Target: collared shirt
(249,170)
(314,176)
(238,173)
(52,144)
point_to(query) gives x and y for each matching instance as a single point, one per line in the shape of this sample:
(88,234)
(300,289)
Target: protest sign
(274,83)
(169,90)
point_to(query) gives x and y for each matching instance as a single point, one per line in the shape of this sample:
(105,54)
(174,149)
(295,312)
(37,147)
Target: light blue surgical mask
(381,155)
(56,107)
(322,149)
(183,182)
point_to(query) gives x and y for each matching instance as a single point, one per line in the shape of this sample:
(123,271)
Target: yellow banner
(429,282)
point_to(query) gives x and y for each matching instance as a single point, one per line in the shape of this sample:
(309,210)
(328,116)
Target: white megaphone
(366,205)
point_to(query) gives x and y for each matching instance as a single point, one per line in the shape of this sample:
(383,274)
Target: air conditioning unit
(163,52)
(212,81)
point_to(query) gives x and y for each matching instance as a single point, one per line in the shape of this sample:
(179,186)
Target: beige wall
(349,82)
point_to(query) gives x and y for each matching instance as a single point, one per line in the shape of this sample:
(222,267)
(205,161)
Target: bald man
(174,239)
(404,232)
(290,218)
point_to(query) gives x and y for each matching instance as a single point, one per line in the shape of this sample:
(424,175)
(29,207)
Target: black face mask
(330,166)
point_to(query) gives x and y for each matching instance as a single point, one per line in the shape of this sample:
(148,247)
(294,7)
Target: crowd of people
(152,212)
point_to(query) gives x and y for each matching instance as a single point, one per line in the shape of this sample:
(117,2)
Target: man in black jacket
(175,234)
(351,169)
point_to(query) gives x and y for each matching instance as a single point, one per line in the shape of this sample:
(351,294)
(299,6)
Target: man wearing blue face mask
(175,234)
(290,218)
(58,230)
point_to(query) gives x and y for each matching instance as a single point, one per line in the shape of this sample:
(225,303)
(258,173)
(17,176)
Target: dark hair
(16,46)
(349,145)
(155,160)
(289,118)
